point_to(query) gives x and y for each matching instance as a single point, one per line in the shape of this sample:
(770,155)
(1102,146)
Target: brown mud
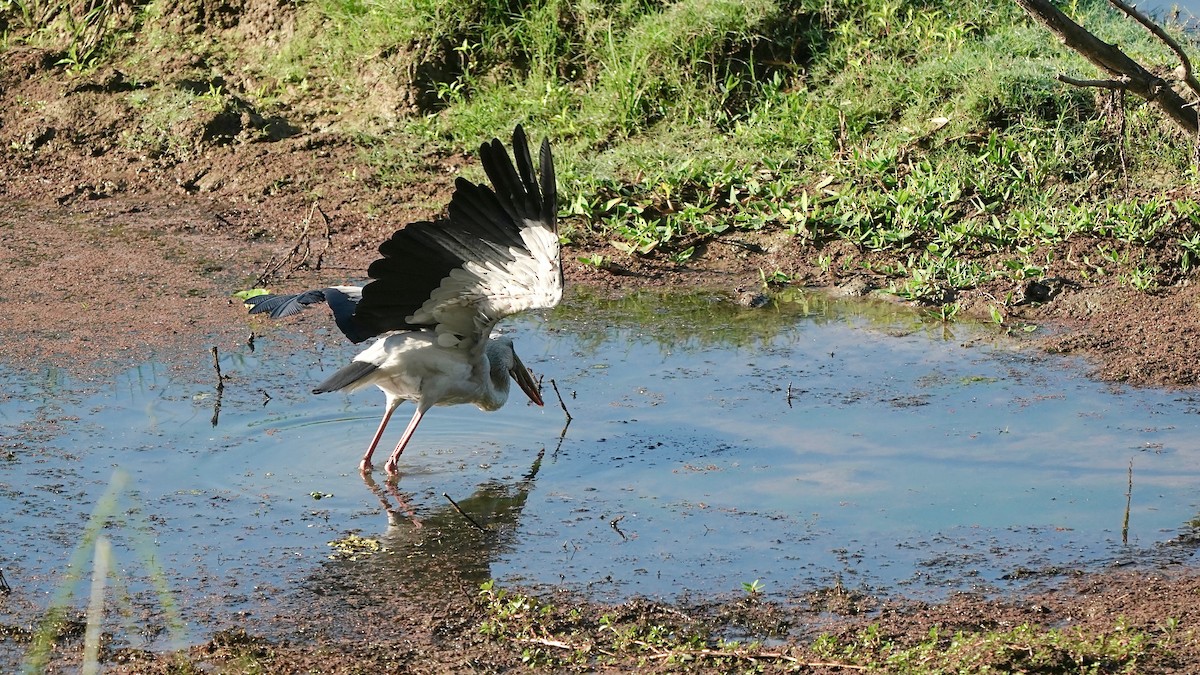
(108,255)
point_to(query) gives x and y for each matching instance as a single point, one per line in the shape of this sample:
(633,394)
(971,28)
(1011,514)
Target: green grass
(1024,648)
(550,637)
(929,134)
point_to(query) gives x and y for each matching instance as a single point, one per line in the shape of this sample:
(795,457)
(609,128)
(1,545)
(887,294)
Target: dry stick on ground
(328,234)
(303,248)
(1126,74)
(273,267)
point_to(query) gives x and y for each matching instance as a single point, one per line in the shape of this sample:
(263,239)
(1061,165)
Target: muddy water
(802,445)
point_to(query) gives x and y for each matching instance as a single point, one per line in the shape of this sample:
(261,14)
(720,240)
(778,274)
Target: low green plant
(1189,251)
(776,278)
(1141,277)
(1024,648)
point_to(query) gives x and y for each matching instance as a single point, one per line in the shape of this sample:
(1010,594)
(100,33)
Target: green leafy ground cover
(929,135)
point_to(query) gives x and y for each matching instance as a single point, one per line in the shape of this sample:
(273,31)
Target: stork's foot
(365,468)
(392,465)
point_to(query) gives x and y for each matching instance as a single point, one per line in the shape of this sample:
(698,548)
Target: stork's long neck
(499,362)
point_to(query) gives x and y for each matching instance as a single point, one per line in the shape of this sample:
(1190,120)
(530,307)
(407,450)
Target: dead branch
(1158,32)
(1115,62)
(299,254)
(1100,84)
(217,367)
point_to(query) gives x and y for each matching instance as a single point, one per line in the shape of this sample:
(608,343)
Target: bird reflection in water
(441,550)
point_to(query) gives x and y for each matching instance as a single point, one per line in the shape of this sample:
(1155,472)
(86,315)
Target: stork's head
(505,363)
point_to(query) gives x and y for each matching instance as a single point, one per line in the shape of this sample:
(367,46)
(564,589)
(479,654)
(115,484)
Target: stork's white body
(412,367)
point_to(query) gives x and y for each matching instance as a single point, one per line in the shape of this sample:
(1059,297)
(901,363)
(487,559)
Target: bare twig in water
(4,587)
(464,513)
(562,436)
(250,342)
(789,395)
(266,396)
(613,524)
(216,416)
(1128,502)
(217,367)
(561,403)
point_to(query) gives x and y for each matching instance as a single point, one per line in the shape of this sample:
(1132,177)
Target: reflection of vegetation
(711,319)
(108,516)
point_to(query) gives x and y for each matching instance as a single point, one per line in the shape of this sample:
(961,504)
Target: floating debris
(353,547)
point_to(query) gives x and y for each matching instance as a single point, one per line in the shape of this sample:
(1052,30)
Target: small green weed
(1026,648)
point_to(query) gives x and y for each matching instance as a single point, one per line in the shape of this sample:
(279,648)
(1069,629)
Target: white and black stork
(441,287)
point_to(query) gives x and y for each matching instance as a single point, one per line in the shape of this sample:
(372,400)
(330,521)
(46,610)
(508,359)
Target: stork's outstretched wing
(496,255)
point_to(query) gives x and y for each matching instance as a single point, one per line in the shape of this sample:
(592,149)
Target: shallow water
(812,443)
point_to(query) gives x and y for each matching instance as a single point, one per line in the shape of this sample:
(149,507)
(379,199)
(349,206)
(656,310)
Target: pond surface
(804,445)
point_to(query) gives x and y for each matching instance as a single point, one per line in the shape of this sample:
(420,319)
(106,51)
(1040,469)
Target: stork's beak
(525,381)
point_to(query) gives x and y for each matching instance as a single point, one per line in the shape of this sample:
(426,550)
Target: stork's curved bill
(440,288)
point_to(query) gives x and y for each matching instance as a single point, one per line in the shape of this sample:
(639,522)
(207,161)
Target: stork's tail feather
(346,377)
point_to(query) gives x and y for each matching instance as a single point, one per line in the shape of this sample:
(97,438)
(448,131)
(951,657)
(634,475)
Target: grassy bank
(930,136)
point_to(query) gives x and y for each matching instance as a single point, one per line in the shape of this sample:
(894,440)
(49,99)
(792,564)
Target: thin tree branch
(1158,32)
(1101,84)
(1115,62)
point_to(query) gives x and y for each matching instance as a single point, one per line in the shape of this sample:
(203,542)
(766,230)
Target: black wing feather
(549,206)
(418,257)
(342,305)
(279,306)
(483,226)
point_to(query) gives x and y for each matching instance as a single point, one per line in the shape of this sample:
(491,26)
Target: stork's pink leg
(390,466)
(365,465)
